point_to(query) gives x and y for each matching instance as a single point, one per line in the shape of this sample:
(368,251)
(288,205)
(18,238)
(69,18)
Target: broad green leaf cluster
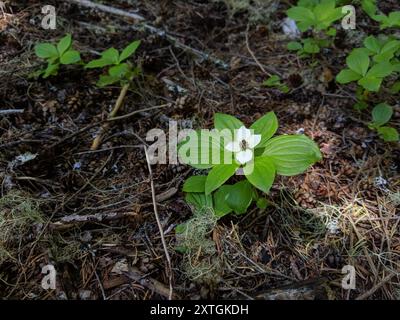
(391,20)
(56,55)
(381,115)
(370,65)
(275,82)
(119,70)
(285,155)
(319,16)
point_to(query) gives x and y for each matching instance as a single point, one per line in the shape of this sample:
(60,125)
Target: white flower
(243,144)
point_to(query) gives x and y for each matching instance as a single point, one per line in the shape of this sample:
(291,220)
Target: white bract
(243,144)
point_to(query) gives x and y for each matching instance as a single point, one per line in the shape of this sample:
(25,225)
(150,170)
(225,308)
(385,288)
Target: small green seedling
(381,115)
(56,55)
(308,46)
(319,15)
(368,74)
(119,70)
(388,21)
(275,82)
(382,50)
(369,7)
(254,153)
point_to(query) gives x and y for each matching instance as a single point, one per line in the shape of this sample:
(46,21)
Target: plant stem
(97,141)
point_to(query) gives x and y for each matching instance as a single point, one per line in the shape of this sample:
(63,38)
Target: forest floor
(90,213)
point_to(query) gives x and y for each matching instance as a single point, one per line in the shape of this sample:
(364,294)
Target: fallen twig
(140,25)
(68,222)
(370,292)
(11,111)
(153,195)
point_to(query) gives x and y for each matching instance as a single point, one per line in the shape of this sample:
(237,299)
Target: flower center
(243,145)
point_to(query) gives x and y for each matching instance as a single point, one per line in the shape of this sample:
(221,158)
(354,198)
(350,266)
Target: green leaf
(98,63)
(226,121)
(395,88)
(292,154)
(70,57)
(262,203)
(372,44)
(64,44)
(266,126)
(199,200)
(51,70)
(360,105)
(108,57)
(380,70)
(326,13)
(129,50)
(347,75)
(119,71)
(331,32)
(261,173)
(106,81)
(369,6)
(195,184)
(220,203)
(372,84)
(388,51)
(46,50)
(240,197)
(294,46)
(304,16)
(219,175)
(388,134)
(358,61)
(310,46)
(111,55)
(381,114)
(272,81)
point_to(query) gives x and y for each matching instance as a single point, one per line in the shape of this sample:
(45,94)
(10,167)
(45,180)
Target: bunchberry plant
(253,153)
(56,55)
(275,82)
(381,115)
(119,70)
